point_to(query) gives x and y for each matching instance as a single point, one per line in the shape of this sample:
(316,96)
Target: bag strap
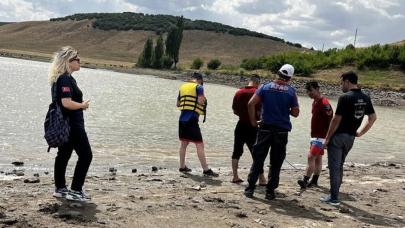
(53,92)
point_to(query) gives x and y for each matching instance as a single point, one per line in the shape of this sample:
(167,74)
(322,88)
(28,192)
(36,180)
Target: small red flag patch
(66,89)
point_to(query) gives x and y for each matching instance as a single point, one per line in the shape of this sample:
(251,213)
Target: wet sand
(372,196)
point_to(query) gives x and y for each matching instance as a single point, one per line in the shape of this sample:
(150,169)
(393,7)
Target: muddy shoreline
(372,196)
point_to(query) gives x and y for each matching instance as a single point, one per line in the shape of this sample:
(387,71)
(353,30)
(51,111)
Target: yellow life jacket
(188,98)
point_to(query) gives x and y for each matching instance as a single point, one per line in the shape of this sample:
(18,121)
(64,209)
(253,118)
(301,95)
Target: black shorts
(190,131)
(244,134)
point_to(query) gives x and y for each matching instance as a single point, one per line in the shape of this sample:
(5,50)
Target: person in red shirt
(245,133)
(321,116)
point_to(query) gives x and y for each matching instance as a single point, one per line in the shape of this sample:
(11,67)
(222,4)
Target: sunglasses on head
(74,59)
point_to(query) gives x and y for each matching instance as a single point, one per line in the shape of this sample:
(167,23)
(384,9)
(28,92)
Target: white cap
(287,70)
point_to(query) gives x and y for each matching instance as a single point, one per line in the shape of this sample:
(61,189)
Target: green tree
(158,53)
(173,41)
(145,58)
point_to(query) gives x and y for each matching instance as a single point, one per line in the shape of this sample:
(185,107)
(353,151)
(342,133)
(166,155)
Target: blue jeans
(339,146)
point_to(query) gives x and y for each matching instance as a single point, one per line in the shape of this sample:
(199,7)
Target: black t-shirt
(352,106)
(66,87)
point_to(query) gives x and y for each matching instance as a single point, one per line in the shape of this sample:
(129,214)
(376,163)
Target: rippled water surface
(132,121)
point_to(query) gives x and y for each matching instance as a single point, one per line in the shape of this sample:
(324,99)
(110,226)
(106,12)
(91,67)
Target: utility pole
(355,38)
(323,45)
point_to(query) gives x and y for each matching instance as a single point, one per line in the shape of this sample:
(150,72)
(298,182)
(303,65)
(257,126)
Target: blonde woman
(70,99)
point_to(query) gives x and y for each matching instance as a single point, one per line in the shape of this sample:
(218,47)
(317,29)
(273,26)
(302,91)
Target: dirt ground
(372,196)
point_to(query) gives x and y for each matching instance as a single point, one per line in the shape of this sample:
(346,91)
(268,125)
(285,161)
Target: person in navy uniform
(279,101)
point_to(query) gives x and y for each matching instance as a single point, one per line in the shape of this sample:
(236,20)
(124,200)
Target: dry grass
(46,37)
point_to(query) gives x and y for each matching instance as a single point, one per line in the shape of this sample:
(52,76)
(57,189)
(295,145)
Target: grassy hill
(125,45)
(160,24)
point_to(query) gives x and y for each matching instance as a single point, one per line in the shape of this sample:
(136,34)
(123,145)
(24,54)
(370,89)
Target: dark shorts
(190,131)
(244,134)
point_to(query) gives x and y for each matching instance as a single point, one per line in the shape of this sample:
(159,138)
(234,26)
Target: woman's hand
(85,104)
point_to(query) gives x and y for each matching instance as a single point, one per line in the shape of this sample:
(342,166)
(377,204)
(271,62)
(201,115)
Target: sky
(312,23)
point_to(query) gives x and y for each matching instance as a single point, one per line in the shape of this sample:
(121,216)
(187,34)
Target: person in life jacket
(192,103)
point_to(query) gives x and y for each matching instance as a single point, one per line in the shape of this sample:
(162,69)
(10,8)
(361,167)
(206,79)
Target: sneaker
(60,192)
(328,199)
(184,170)
(78,196)
(210,173)
(270,195)
(303,184)
(248,193)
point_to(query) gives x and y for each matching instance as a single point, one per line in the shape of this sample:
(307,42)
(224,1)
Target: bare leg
(317,171)
(262,179)
(318,165)
(235,164)
(182,153)
(311,165)
(201,155)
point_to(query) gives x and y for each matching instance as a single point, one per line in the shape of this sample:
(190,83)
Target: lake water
(133,122)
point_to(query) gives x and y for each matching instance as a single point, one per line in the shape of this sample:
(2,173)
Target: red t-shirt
(322,113)
(240,103)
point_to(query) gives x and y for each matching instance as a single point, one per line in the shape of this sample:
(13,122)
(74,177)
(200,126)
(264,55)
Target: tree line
(305,63)
(160,24)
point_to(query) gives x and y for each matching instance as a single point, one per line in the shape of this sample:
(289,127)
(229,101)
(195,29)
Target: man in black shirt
(345,126)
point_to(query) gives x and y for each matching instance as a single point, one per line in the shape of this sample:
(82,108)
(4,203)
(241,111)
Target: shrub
(213,64)
(250,64)
(197,64)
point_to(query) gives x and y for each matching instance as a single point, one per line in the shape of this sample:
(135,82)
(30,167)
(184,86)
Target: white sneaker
(328,199)
(60,192)
(77,196)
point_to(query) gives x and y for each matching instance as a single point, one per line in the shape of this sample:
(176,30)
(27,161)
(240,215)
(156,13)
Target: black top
(352,106)
(66,87)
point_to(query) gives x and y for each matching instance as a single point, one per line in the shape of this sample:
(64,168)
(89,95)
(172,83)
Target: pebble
(197,188)
(18,163)
(154,169)
(134,170)
(345,210)
(32,180)
(2,215)
(259,221)
(240,214)
(18,173)
(112,170)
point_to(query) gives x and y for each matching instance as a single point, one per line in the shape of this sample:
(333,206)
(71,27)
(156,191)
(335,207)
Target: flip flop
(237,181)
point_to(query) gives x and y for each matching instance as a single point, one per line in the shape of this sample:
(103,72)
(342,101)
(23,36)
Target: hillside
(4,23)
(160,24)
(400,42)
(47,36)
